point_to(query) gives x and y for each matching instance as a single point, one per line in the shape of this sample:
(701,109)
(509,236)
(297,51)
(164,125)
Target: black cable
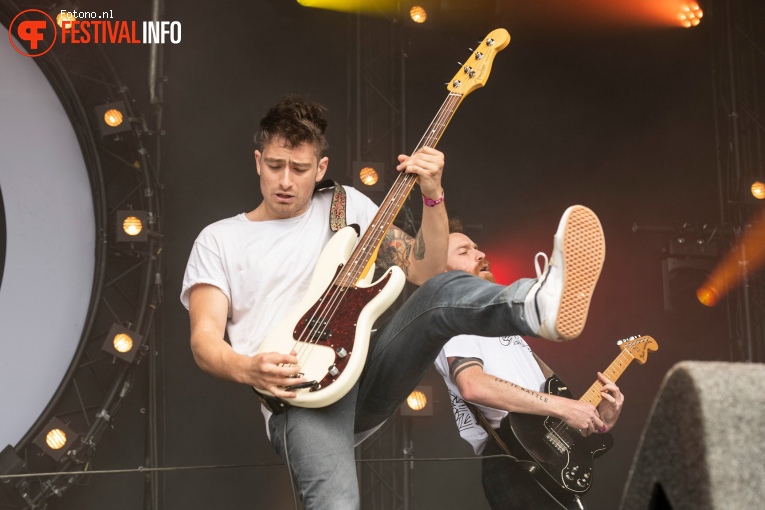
(287,460)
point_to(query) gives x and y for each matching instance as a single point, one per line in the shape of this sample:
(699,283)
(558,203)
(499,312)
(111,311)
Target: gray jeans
(320,442)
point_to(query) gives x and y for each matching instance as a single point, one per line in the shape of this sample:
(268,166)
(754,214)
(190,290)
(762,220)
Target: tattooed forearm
(394,250)
(419,246)
(534,394)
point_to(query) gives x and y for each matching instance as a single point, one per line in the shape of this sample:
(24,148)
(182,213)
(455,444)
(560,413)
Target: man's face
(464,255)
(287,177)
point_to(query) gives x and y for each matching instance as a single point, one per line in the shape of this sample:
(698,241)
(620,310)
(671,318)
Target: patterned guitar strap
(337,210)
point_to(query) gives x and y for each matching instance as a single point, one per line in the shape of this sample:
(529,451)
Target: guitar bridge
(313,385)
(557,442)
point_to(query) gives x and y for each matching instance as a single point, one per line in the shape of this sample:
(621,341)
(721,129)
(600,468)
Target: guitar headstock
(638,346)
(475,71)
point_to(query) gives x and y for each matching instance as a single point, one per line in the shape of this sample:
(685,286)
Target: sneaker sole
(584,251)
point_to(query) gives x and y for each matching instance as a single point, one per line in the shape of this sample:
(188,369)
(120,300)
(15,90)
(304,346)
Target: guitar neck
(362,257)
(613,372)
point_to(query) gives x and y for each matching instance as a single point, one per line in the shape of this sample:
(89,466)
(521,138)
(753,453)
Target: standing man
(501,375)
(247,272)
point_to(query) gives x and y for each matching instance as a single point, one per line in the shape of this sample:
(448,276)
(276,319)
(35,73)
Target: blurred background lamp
(368,176)
(122,343)
(707,295)
(690,15)
(56,439)
(112,118)
(419,402)
(62,17)
(758,190)
(132,226)
(418,14)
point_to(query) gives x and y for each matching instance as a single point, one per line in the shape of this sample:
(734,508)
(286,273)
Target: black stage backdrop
(621,122)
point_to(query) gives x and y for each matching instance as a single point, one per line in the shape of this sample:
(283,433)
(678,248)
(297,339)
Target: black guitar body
(563,454)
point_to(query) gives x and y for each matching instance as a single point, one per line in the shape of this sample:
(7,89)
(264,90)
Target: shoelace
(536,264)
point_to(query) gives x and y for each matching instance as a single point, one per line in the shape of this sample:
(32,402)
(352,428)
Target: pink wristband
(432,203)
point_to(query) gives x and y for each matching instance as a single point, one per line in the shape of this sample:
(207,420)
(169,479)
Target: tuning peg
(619,342)
(471,50)
(460,63)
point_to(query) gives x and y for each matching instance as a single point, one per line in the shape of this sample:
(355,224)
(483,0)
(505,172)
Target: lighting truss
(127,284)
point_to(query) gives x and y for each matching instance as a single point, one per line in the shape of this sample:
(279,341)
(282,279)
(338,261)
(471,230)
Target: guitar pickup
(317,329)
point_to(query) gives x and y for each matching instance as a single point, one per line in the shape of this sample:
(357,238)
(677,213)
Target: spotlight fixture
(690,15)
(122,343)
(758,189)
(56,439)
(419,402)
(132,226)
(752,190)
(369,176)
(112,118)
(63,12)
(418,14)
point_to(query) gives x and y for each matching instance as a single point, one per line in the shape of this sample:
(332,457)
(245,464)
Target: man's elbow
(470,391)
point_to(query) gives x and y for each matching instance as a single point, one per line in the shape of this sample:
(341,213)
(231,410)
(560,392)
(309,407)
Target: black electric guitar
(561,458)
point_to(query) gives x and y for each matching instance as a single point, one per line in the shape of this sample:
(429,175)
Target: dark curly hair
(296,120)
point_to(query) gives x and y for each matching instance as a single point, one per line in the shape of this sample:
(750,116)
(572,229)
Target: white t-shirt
(507,357)
(264,267)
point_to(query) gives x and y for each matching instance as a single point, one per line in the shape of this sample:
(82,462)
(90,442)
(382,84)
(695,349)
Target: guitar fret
(613,372)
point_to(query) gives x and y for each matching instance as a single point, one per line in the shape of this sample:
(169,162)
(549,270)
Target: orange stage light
(746,257)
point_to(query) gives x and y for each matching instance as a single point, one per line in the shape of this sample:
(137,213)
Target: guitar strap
(337,210)
(484,423)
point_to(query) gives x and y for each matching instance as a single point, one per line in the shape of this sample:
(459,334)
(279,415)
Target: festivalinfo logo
(38,32)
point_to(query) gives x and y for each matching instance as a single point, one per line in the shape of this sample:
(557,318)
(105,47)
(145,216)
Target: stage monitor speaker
(702,447)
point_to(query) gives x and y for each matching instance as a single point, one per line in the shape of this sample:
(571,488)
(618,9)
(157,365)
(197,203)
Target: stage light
(743,260)
(122,343)
(62,12)
(132,226)
(368,176)
(419,402)
(690,15)
(64,17)
(112,118)
(376,7)
(56,439)
(758,190)
(707,295)
(418,14)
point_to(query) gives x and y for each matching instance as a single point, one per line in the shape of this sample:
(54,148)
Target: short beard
(488,276)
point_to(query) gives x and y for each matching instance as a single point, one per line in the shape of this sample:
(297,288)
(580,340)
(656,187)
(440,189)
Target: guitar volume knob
(341,352)
(333,371)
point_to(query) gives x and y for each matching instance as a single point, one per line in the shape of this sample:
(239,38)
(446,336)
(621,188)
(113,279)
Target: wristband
(432,203)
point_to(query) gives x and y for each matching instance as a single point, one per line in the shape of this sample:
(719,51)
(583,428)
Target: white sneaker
(556,306)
